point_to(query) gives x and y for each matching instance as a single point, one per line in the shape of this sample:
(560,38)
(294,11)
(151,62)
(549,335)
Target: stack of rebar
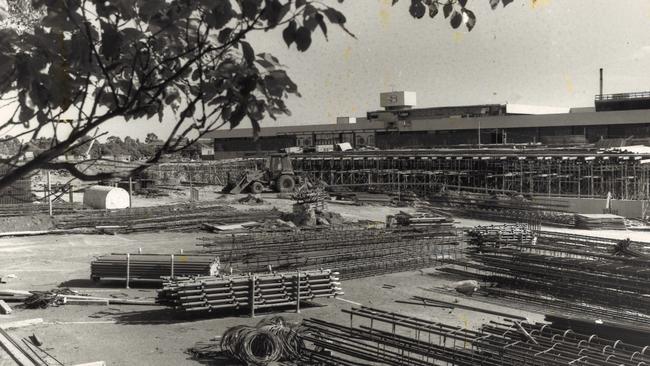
(254,291)
(506,208)
(152,266)
(354,252)
(166,217)
(567,267)
(495,235)
(305,195)
(29,208)
(395,339)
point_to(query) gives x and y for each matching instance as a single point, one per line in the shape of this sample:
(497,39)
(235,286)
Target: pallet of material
(256,291)
(152,266)
(600,222)
(422,219)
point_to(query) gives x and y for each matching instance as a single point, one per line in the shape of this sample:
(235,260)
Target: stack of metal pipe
(152,266)
(251,291)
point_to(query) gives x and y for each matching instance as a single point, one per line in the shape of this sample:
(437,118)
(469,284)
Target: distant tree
(191,59)
(151,138)
(114,140)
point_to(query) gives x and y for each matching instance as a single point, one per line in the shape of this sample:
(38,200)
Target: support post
(49,193)
(298,293)
(71,196)
(172,265)
(128,269)
(252,295)
(130,192)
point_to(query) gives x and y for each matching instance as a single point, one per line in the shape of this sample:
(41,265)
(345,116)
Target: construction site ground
(152,335)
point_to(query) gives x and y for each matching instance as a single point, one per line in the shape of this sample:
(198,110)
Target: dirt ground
(152,335)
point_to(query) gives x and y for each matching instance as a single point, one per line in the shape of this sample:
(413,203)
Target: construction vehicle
(277,175)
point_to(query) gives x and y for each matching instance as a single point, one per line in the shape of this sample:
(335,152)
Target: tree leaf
(321,24)
(250,8)
(462,3)
(447,8)
(303,39)
(456,19)
(336,17)
(289,33)
(433,10)
(494,4)
(506,2)
(249,54)
(111,41)
(417,9)
(237,115)
(224,35)
(310,22)
(275,11)
(394,2)
(222,13)
(300,3)
(471,19)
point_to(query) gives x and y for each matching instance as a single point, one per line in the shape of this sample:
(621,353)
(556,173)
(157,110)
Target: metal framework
(396,339)
(586,174)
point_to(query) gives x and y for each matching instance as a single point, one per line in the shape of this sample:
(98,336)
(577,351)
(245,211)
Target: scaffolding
(588,175)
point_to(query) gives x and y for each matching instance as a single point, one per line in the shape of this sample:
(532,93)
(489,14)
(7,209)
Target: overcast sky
(545,52)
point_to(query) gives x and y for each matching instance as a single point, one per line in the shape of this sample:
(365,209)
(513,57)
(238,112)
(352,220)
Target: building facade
(403,126)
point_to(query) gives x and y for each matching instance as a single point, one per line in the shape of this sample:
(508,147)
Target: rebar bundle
(506,208)
(255,291)
(564,266)
(395,339)
(166,217)
(353,252)
(495,235)
(152,266)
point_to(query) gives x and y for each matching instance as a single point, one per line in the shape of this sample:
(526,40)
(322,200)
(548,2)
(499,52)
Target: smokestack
(601,83)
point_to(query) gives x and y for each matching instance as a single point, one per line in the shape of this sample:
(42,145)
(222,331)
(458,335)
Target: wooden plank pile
(600,222)
(255,291)
(152,266)
(12,352)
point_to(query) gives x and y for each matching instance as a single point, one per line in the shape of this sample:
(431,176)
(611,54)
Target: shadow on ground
(172,316)
(87,283)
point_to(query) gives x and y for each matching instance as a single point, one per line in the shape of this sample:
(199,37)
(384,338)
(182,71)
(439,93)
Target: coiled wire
(271,340)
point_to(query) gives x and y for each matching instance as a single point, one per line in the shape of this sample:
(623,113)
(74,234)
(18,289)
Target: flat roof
(440,124)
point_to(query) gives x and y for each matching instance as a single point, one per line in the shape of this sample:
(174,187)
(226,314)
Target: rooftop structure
(399,125)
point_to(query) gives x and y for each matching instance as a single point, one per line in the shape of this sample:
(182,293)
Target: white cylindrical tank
(104,197)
